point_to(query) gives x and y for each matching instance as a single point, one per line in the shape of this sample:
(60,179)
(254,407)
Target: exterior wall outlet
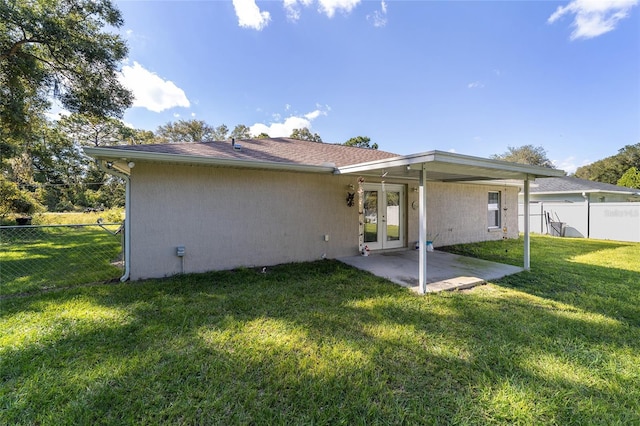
(326,237)
(180,251)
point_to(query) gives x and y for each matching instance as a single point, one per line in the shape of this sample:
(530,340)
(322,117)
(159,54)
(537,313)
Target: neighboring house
(571,189)
(219,205)
(572,207)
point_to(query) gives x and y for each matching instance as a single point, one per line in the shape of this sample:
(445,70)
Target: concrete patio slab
(445,271)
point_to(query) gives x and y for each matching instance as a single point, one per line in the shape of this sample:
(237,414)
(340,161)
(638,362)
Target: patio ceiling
(448,167)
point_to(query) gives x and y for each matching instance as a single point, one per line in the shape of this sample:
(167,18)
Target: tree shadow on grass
(313,343)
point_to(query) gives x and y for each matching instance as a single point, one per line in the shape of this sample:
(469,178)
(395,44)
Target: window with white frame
(493,210)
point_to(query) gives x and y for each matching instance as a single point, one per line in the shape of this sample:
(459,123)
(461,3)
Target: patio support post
(422,230)
(527,220)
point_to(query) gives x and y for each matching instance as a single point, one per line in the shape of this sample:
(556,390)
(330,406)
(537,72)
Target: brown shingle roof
(277,150)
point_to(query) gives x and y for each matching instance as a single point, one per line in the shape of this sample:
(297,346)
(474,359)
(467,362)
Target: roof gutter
(128,155)
(586,191)
(414,161)
(102,164)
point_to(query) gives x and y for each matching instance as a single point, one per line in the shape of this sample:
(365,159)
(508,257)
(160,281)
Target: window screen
(493,210)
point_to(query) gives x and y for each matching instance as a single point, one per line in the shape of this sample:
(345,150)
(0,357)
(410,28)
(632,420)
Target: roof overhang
(585,191)
(449,167)
(120,159)
(439,165)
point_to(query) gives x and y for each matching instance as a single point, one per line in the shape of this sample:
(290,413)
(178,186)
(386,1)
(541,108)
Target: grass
(596,275)
(69,218)
(323,343)
(33,259)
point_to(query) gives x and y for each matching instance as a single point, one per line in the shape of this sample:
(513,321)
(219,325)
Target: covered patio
(447,271)
(439,166)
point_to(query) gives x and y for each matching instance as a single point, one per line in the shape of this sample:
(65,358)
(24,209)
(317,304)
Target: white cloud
(56,112)
(330,7)
(284,129)
(593,17)
(570,164)
(151,91)
(314,114)
(379,17)
(475,85)
(249,15)
(292,8)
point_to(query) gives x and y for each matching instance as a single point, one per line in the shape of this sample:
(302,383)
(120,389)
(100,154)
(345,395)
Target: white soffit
(449,167)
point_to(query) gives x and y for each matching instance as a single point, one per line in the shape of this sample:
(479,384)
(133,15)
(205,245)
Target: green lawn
(33,259)
(322,343)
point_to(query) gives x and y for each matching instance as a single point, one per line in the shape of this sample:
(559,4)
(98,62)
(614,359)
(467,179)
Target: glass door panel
(370,216)
(393,216)
(383,216)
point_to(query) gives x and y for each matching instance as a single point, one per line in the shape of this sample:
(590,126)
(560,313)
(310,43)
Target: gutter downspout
(127,203)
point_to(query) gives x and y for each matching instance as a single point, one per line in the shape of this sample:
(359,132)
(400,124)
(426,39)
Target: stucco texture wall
(457,213)
(227,218)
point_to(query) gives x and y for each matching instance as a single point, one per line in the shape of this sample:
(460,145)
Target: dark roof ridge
(574,184)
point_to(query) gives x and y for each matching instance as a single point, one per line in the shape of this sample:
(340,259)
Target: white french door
(384,216)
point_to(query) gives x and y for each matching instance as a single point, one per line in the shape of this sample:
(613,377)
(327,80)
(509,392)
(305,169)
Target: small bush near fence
(35,258)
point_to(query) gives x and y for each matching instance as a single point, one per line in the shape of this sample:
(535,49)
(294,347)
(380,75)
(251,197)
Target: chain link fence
(34,258)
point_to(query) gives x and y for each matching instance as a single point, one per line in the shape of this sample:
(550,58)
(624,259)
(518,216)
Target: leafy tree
(361,142)
(138,137)
(15,200)
(526,154)
(220,133)
(241,132)
(91,130)
(190,131)
(59,49)
(611,169)
(59,169)
(630,179)
(305,134)
(263,135)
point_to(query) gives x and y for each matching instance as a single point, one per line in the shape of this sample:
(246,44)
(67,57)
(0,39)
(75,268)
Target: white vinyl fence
(605,221)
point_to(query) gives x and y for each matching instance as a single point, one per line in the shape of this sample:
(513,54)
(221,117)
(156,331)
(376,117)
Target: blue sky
(471,77)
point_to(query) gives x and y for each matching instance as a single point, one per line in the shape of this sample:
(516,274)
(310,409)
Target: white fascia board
(402,161)
(444,158)
(467,160)
(115,154)
(586,191)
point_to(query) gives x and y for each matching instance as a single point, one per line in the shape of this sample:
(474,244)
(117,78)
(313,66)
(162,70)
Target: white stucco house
(219,205)
(572,207)
(573,190)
